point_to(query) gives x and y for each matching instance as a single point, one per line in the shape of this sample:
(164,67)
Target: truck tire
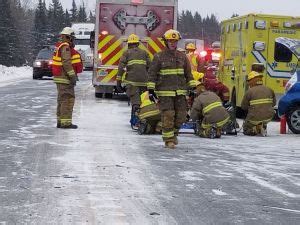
(108,95)
(293,119)
(35,77)
(98,95)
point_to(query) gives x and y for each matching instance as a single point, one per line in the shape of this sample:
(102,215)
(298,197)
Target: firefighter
(170,76)
(136,63)
(66,65)
(208,112)
(196,63)
(149,116)
(258,102)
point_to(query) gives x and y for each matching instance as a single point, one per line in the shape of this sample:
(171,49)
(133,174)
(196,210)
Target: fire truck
(253,39)
(115,21)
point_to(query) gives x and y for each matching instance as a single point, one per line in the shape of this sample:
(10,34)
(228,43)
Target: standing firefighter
(170,76)
(209,112)
(136,63)
(196,63)
(66,64)
(258,101)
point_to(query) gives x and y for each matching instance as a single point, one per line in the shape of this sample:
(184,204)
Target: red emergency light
(137,1)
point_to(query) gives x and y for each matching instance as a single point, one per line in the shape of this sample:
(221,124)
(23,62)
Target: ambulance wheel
(293,119)
(98,95)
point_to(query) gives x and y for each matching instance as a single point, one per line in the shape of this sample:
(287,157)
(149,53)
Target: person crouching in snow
(258,102)
(149,115)
(208,112)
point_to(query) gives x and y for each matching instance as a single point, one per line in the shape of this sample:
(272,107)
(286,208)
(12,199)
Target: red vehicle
(115,21)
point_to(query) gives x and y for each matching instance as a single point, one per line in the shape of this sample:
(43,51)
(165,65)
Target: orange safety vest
(57,61)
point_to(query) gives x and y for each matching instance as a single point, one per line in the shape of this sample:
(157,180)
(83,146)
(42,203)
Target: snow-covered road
(105,173)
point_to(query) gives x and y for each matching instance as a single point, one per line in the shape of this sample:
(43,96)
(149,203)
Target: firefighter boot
(175,140)
(261,130)
(218,132)
(71,126)
(169,144)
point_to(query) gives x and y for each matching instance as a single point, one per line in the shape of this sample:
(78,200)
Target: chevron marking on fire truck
(104,39)
(112,51)
(272,73)
(110,77)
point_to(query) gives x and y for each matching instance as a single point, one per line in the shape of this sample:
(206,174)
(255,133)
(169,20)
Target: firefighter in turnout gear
(170,78)
(258,102)
(135,62)
(196,63)
(149,116)
(66,65)
(208,112)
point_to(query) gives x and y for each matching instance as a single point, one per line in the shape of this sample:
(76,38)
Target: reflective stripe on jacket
(147,107)
(135,62)
(208,109)
(259,102)
(170,73)
(66,62)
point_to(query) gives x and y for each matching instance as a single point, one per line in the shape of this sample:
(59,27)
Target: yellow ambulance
(257,39)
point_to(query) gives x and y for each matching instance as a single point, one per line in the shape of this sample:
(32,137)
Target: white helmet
(68,31)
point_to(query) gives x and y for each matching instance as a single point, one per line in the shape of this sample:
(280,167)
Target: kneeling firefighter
(149,115)
(208,112)
(136,63)
(258,102)
(66,65)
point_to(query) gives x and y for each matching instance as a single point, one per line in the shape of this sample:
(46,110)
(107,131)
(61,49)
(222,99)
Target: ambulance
(115,21)
(257,39)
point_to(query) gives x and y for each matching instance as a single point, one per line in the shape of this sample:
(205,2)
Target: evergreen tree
(9,39)
(41,28)
(56,17)
(92,17)
(74,13)
(67,21)
(82,17)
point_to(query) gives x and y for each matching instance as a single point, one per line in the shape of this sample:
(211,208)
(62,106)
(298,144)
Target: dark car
(42,65)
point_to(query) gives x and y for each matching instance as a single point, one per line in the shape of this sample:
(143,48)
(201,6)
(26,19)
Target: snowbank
(9,75)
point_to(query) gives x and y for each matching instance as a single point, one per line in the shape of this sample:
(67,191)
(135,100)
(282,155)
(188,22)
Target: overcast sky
(223,9)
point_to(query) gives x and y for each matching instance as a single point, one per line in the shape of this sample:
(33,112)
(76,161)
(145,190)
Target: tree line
(24,29)
(198,27)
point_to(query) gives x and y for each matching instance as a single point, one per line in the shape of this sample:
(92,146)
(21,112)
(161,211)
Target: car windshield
(82,41)
(45,54)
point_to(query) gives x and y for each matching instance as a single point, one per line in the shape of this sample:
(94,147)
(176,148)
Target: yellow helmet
(197,75)
(172,35)
(190,46)
(252,75)
(133,39)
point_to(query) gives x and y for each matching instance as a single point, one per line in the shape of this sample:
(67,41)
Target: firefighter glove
(73,80)
(152,95)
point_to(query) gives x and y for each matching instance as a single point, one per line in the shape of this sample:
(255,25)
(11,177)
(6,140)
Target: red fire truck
(115,21)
